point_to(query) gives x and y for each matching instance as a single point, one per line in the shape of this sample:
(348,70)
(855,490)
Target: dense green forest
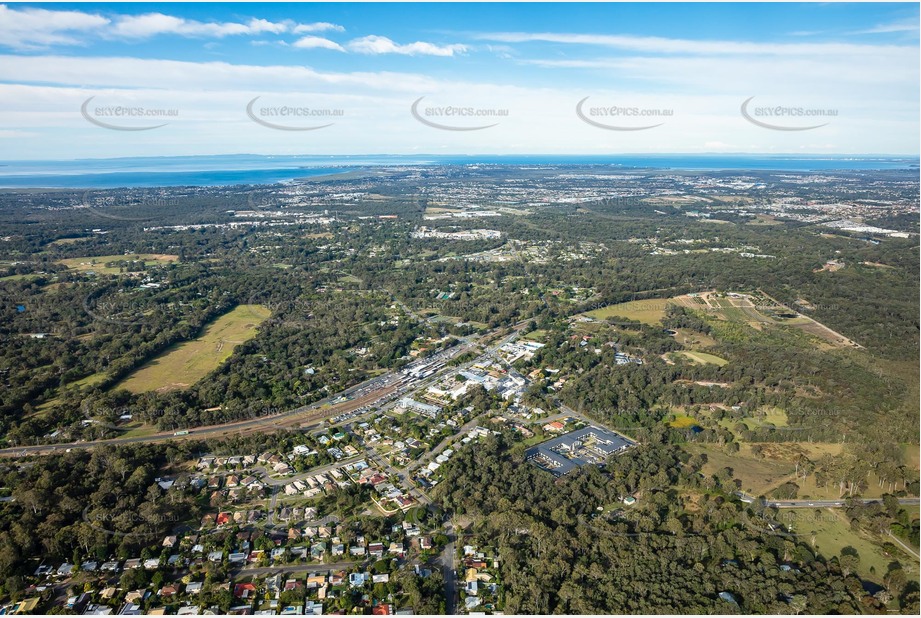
(561,555)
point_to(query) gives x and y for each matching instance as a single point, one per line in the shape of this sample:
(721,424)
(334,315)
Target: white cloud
(374,44)
(662,45)
(873,86)
(905,25)
(826,77)
(212,97)
(317,42)
(152,24)
(29,29)
(175,75)
(320,26)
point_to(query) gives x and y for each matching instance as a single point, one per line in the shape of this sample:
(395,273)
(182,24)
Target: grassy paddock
(702,358)
(97,263)
(186,363)
(828,532)
(646,311)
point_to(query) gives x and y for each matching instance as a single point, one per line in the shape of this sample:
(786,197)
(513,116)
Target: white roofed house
(194,587)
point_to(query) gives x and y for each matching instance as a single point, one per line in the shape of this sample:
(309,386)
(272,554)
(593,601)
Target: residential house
(376,550)
(194,587)
(244,590)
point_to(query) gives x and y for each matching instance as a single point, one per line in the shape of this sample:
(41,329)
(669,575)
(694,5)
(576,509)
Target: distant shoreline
(349,175)
(222,171)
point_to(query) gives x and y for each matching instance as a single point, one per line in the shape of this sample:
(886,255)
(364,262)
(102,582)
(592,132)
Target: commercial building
(589,445)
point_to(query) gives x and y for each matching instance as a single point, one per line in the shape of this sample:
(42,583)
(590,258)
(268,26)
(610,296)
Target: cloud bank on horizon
(98,80)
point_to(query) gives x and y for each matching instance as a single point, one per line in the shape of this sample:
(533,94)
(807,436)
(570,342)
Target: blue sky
(486,78)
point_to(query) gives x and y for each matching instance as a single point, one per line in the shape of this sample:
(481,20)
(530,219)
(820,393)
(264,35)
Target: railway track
(313,415)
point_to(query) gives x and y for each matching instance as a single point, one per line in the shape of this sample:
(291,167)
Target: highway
(818,504)
(805,504)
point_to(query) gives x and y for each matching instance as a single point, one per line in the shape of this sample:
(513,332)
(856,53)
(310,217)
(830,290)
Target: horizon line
(486,154)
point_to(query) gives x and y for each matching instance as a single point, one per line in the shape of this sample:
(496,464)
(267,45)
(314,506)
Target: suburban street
(432,453)
(293,568)
(405,483)
(447,560)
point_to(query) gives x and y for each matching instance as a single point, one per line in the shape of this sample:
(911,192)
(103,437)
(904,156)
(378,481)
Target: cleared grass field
(139,430)
(24,277)
(540,336)
(779,457)
(682,422)
(828,531)
(646,311)
(774,417)
(691,338)
(97,263)
(760,311)
(756,474)
(90,380)
(764,220)
(769,415)
(186,363)
(68,241)
(911,455)
(702,358)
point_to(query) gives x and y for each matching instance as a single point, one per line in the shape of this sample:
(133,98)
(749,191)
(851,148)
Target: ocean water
(203,171)
(222,170)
